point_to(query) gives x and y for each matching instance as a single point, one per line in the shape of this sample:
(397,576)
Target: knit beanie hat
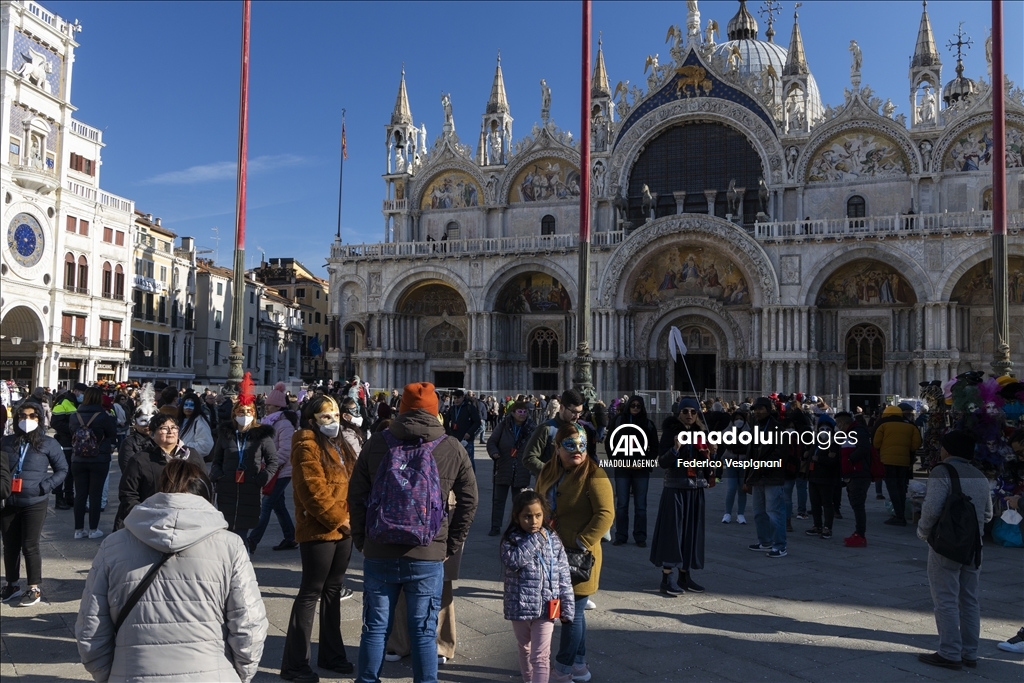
(419,396)
(277,396)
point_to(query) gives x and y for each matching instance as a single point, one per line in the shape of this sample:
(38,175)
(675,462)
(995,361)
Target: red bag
(269,487)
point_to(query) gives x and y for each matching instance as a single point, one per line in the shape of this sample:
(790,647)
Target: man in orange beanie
(419,396)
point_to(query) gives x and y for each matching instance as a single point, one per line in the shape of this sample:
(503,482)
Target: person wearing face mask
(244,459)
(196,432)
(64,408)
(351,424)
(284,423)
(37,466)
(322,462)
(507,446)
(541,445)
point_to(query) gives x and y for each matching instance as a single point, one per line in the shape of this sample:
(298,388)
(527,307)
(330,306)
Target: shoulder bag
(133,599)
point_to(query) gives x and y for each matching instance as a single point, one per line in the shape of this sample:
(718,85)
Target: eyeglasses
(574,446)
(688,411)
(167,430)
(28,416)
(635,405)
(574,413)
(521,412)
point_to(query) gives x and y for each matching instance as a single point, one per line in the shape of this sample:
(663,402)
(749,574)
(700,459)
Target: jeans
(89,478)
(470,448)
(896,480)
(821,499)
(954,589)
(637,482)
(275,503)
(572,642)
(498,504)
(422,582)
(323,572)
(21,528)
(534,639)
(770,515)
(801,496)
(857,492)
(734,490)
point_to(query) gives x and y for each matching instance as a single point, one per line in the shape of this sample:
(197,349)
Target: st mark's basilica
(830,248)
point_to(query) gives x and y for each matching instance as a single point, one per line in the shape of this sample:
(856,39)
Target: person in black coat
(90,472)
(244,459)
(462,421)
(634,477)
(136,441)
(506,446)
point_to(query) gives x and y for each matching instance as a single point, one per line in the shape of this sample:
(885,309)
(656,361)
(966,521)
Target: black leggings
(21,528)
(89,478)
(323,572)
(822,497)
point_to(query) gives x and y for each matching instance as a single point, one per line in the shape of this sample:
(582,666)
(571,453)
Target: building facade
(163,305)
(796,245)
(214,304)
(280,332)
(67,258)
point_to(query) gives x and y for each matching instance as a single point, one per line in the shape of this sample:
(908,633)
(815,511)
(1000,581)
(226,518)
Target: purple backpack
(406,506)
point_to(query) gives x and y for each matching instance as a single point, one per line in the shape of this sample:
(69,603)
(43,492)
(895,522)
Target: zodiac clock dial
(25,239)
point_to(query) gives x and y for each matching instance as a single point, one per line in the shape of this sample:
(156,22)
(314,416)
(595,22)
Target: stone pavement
(824,613)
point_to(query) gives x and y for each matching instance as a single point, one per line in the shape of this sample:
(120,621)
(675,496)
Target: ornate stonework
(823,135)
(701,311)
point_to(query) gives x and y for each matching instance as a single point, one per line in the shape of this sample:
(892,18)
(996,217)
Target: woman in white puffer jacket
(202,619)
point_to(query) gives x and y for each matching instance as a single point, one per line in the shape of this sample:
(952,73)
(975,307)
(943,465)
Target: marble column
(711,195)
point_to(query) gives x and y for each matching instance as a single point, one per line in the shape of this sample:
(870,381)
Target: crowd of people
(392,475)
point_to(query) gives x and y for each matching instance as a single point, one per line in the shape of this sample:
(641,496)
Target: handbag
(133,599)
(581,563)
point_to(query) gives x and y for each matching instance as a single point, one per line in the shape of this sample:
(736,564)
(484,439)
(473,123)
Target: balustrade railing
(515,244)
(907,224)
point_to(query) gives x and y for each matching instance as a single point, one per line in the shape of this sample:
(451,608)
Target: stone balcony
(35,178)
(472,247)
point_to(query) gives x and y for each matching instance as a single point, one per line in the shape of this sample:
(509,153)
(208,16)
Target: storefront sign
(68,365)
(104,367)
(147,284)
(16,362)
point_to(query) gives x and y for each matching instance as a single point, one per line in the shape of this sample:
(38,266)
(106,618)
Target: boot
(687,582)
(669,586)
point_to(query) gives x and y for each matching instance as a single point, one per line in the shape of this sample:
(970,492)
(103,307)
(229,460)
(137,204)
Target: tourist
(634,478)
(767,484)
(196,432)
(856,472)
(352,424)
(538,588)
(954,585)
(541,445)
(323,463)
(64,407)
(795,462)
(244,459)
(678,541)
(735,474)
(580,497)
(94,433)
(138,437)
(418,570)
(897,440)
(284,423)
(823,477)
(462,421)
(507,446)
(202,619)
(37,466)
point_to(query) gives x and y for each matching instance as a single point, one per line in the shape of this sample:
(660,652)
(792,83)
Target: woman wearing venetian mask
(352,425)
(244,459)
(322,462)
(195,429)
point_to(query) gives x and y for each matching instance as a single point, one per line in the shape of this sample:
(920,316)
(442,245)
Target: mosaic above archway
(975,287)
(689,271)
(972,151)
(546,180)
(432,300)
(533,293)
(866,283)
(452,190)
(856,155)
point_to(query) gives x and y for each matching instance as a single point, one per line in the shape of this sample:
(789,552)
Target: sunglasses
(635,405)
(521,412)
(354,412)
(574,446)
(688,411)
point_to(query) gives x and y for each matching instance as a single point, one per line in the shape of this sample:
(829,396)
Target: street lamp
(16,341)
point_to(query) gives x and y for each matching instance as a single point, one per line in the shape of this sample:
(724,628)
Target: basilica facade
(796,245)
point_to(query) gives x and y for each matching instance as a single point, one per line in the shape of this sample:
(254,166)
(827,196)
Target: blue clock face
(25,239)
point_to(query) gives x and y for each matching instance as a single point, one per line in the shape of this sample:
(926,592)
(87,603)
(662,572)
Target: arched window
(865,349)
(108,280)
(118,282)
(69,271)
(543,349)
(445,341)
(986,200)
(451,231)
(856,207)
(83,275)
(547,225)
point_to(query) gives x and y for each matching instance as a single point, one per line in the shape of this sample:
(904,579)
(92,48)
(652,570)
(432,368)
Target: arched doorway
(431,318)
(865,364)
(443,342)
(700,360)
(353,341)
(543,348)
(21,346)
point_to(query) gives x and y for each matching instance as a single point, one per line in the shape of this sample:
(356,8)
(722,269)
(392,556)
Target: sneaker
(581,673)
(30,597)
(726,518)
(590,604)
(895,521)
(813,531)
(391,657)
(935,659)
(740,519)
(441,660)
(1015,644)
(669,586)
(777,553)
(758,547)
(801,515)
(346,593)
(826,533)
(559,677)
(96,533)
(10,593)
(855,540)
(80,533)
(690,585)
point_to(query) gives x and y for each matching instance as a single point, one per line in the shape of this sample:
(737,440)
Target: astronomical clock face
(25,239)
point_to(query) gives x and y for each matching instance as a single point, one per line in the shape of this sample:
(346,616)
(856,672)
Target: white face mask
(28,426)
(243,420)
(330,430)
(357,421)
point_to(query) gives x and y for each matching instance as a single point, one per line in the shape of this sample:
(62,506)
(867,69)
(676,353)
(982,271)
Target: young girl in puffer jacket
(538,588)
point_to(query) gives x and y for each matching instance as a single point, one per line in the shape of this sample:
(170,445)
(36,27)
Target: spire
(796,60)
(743,26)
(402,115)
(925,53)
(498,104)
(599,85)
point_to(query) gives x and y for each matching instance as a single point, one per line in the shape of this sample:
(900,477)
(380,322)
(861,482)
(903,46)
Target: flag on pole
(676,347)
(344,142)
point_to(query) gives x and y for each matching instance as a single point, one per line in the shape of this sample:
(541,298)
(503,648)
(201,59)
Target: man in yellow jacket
(897,439)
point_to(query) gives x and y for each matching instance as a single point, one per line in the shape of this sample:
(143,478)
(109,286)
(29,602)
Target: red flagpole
(1001,325)
(585,130)
(235,375)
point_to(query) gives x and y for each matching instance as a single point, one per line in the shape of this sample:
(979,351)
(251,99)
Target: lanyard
(240,443)
(458,411)
(549,564)
(515,434)
(21,461)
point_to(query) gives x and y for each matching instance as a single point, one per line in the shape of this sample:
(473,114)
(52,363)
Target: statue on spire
(692,23)
(857,59)
(545,101)
(449,121)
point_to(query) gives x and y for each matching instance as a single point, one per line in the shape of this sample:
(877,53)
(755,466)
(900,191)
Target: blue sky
(161,80)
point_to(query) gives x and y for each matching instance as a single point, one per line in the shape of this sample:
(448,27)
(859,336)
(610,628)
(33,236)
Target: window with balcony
(856,207)
(547,225)
(70,270)
(108,280)
(110,334)
(119,282)
(72,330)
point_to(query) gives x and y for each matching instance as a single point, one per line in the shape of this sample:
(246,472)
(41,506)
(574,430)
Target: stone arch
(720,323)
(520,162)
(945,143)
(25,321)
(827,266)
(977,253)
(541,265)
(706,230)
(397,289)
(348,299)
(858,118)
(704,109)
(451,165)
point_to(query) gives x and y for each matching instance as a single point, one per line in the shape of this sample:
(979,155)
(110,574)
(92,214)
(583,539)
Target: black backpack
(955,535)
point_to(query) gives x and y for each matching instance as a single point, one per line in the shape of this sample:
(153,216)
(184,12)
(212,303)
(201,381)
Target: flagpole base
(582,378)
